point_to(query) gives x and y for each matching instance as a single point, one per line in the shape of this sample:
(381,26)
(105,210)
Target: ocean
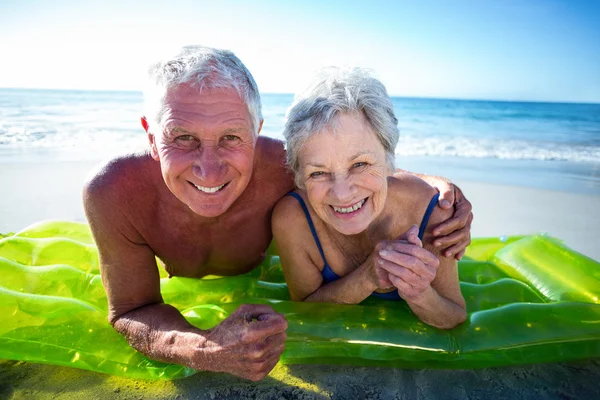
(544,145)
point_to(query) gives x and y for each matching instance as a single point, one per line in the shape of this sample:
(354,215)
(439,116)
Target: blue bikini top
(328,274)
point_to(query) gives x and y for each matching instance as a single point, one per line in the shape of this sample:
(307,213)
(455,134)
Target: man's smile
(213,189)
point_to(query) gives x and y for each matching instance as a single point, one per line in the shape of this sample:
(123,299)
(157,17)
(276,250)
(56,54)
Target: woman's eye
(359,164)
(317,174)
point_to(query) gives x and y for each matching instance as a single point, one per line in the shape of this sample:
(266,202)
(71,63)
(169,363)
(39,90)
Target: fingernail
(445,203)
(384,253)
(437,244)
(379,262)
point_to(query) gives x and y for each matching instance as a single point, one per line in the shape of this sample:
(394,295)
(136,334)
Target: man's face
(205,147)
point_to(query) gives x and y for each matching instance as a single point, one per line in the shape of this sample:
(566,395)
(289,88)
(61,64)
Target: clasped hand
(248,343)
(403,263)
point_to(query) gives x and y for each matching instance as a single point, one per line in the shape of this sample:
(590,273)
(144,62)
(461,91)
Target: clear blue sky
(546,50)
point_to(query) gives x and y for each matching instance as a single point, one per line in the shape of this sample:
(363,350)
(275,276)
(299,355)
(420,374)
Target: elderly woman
(352,230)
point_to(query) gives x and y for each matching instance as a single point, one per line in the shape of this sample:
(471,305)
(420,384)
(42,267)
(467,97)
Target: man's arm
(248,343)
(454,235)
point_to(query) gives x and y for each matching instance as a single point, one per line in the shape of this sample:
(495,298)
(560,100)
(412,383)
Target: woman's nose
(343,189)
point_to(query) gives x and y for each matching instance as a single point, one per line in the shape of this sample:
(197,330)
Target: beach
(526,168)
(52,190)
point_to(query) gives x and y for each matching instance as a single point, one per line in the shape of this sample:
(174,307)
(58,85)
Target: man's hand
(454,235)
(248,343)
(411,268)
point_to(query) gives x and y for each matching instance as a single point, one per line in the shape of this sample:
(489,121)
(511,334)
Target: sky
(535,50)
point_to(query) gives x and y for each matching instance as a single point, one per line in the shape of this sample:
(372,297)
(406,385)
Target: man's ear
(144,122)
(260,127)
(151,140)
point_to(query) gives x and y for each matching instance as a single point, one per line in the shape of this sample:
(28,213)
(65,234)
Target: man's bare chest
(233,246)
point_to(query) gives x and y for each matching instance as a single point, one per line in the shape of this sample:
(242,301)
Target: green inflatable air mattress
(530,299)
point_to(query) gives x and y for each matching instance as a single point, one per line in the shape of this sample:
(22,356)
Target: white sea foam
(502,149)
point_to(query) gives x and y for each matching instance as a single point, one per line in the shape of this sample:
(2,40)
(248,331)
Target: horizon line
(503,100)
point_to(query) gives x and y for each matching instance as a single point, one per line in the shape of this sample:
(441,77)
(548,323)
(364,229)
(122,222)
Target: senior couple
(211,193)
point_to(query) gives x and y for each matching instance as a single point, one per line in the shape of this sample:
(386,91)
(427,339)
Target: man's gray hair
(201,67)
(335,91)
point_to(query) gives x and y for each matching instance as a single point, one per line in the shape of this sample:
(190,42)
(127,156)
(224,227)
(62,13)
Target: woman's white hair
(201,67)
(335,91)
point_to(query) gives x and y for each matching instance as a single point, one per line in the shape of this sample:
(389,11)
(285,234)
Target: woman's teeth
(346,210)
(210,189)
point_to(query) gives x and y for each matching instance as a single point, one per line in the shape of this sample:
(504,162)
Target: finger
(254,311)
(459,255)
(394,249)
(412,231)
(259,330)
(404,289)
(459,219)
(409,275)
(457,248)
(446,199)
(444,242)
(413,236)
(273,346)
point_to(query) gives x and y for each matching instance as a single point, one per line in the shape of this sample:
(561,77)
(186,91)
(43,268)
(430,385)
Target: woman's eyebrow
(360,154)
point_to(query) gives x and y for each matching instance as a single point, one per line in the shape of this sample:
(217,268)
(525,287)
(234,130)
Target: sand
(33,192)
(575,380)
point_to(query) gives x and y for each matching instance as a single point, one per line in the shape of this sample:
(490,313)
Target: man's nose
(208,165)
(342,188)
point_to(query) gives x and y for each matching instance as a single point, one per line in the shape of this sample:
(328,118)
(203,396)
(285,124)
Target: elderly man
(200,200)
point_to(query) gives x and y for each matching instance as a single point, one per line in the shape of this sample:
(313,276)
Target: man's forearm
(160,332)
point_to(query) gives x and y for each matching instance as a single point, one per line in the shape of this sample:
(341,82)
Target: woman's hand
(410,267)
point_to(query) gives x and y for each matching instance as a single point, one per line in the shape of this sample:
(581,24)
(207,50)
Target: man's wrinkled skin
(147,205)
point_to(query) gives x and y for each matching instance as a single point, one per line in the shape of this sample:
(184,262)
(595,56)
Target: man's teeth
(346,210)
(209,189)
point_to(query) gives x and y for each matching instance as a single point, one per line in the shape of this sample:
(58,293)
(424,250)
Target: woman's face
(344,172)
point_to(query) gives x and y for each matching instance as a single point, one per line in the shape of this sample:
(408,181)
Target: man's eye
(359,164)
(184,138)
(230,138)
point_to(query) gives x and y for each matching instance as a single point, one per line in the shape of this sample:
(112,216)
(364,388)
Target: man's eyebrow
(229,131)
(178,129)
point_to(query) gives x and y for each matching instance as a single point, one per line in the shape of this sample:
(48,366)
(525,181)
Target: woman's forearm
(436,310)
(349,289)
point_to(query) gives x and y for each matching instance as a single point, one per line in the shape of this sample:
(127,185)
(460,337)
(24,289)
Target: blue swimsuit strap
(310,223)
(428,212)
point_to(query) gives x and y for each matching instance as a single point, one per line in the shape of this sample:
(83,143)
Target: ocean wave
(502,149)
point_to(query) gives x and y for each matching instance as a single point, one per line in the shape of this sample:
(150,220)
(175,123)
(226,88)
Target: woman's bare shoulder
(409,191)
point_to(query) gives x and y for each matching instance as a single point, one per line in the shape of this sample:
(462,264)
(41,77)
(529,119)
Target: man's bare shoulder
(270,165)
(120,175)
(271,151)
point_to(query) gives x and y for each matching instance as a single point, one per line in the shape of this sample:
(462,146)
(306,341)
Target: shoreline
(52,190)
